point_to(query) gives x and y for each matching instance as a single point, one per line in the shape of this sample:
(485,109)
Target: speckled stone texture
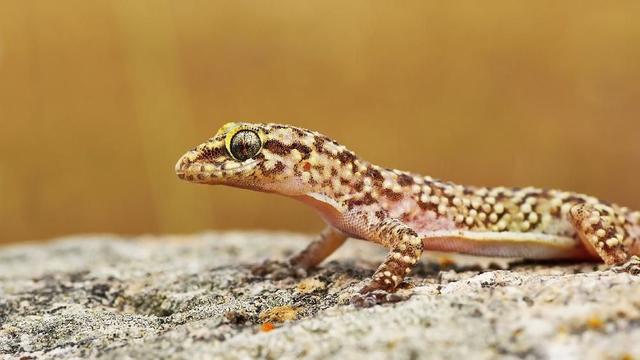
(196,297)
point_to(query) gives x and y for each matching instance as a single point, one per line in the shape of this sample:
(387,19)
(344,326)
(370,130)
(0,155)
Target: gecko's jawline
(207,173)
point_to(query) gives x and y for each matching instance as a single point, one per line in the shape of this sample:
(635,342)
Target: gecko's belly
(506,244)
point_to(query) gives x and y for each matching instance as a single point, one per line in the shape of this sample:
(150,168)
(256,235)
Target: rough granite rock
(196,297)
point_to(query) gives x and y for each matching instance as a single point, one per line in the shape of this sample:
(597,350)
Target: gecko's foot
(375,297)
(374,294)
(632,266)
(277,270)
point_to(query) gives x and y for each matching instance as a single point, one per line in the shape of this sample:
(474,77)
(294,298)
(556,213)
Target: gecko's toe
(375,297)
(632,266)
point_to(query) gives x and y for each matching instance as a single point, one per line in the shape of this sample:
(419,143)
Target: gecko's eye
(244,145)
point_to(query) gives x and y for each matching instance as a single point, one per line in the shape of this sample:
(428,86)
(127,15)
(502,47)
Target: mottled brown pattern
(211,154)
(318,143)
(277,147)
(358,186)
(278,168)
(374,174)
(304,149)
(367,199)
(405,180)
(346,157)
(394,196)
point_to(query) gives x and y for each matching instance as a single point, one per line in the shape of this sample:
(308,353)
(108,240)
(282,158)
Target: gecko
(405,212)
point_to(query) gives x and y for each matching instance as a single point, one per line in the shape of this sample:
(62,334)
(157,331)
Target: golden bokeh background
(98,99)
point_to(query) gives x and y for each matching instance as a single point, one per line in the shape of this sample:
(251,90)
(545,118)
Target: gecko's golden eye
(244,145)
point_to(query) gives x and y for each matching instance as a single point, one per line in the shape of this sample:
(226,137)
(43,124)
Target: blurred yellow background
(98,99)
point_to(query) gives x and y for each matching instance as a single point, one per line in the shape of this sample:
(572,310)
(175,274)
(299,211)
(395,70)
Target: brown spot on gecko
(347,157)
(278,168)
(374,174)
(394,196)
(306,166)
(298,132)
(318,143)
(304,149)
(405,180)
(367,199)
(358,186)
(427,206)
(277,147)
(211,154)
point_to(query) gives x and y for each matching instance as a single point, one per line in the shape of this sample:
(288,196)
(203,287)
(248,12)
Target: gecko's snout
(198,166)
(181,166)
(185,166)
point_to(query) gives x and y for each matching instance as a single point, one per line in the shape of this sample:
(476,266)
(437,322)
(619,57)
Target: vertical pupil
(245,144)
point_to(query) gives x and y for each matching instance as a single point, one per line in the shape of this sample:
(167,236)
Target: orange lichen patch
(266,327)
(595,322)
(310,285)
(279,314)
(563,330)
(626,357)
(446,261)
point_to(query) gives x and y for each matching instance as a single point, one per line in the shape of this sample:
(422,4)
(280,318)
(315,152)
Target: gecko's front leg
(329,240)
(320,249)
(405,249)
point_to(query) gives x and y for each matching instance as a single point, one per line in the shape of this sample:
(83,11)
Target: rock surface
(196,297)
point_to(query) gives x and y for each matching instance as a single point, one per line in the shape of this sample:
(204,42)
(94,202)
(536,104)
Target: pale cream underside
(509,244)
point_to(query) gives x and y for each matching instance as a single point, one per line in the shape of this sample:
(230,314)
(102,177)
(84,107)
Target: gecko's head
(263,157)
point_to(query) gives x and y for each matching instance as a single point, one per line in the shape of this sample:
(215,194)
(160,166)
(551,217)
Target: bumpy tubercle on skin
(391,207)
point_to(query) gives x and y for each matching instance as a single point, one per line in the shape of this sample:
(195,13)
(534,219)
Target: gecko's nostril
(182,165)
(179,168)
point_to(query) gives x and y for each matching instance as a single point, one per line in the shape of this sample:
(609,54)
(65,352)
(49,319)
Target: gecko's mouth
(189,169)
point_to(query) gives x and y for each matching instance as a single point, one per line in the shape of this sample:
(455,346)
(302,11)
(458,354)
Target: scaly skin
(405,212)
